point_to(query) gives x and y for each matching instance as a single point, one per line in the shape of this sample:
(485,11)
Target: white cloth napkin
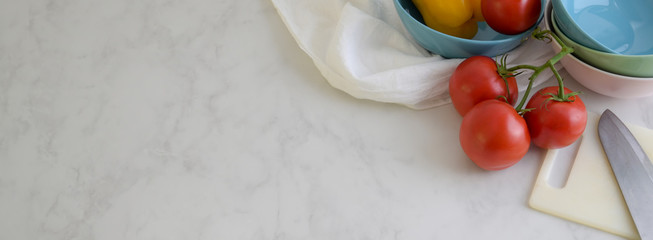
(362,48)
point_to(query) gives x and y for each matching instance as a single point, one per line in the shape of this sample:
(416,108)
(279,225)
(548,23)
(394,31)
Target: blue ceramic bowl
(614,26)
(486,42)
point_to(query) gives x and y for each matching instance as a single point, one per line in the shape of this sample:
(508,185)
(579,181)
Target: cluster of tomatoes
(494,134)
(459,17)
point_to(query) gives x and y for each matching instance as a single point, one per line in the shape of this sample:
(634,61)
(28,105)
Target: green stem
(523,66)
(561,85)
(543,35)
(531,79)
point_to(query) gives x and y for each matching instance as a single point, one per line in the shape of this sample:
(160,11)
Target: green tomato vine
(505,72)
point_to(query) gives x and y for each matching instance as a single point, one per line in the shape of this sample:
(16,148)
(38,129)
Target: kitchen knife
(632,168)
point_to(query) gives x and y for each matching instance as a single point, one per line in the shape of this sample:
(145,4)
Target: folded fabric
(362,48)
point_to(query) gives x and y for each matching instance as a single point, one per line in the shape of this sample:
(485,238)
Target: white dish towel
(362,48)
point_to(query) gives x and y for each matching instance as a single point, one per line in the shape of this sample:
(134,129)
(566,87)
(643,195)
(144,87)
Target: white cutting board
(591,195)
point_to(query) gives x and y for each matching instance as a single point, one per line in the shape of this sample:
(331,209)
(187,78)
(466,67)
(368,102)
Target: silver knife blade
(632,168)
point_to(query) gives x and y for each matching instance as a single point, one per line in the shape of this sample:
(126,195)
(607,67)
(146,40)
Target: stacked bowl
(613,50)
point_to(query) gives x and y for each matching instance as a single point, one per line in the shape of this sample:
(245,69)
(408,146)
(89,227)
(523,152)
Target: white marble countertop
(203,119)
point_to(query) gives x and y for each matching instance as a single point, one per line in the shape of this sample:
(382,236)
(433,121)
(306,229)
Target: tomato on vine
(493,135)
(555,115)
(554,122)
(477,79)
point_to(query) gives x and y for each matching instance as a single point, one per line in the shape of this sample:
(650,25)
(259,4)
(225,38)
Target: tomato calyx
(503,71)
(561,96)
(502,68)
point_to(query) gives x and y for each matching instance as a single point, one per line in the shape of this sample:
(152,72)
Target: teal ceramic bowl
(486,42)
(628,65)
(615,26)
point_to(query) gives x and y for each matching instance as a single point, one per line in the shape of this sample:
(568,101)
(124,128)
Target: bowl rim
(580,30)
(559,31)
(510,38)
(548,21)
(600,46)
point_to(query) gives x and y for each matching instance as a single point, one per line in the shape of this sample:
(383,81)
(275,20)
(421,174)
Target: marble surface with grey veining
(203,119)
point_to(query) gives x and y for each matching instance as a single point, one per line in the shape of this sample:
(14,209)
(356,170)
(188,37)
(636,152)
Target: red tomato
(494,135)
(476,79)
(554,124)
(511,16)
